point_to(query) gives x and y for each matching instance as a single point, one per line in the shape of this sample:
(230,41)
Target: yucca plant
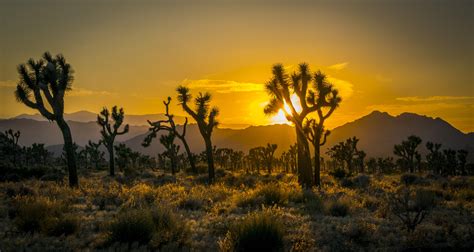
(42,86)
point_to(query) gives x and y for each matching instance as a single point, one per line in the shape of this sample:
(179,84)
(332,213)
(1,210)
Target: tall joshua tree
(205,118)
(49,78)
(319,97)
(110,124)
(170,126)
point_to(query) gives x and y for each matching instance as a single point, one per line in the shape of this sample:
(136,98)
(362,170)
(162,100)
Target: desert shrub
(257,232)
(465,194)
(36,214)
(312,201)
(191,203)
(346,182)
(157,227)
(272,194)
(132,226)
(14,190)
(247,199)
(411,206)
(66,225)
(361,181)
(408,179)
(140,196)
(338,208)
(341,234)
(460,183)
(339,173)
(171,232)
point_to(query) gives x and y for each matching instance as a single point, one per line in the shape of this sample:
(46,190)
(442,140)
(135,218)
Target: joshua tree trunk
(192,163)
(110,148)
(317,165)
(305,176)
(210,159)
(70,154)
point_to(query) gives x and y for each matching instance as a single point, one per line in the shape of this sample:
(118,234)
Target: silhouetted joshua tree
(170,126)
(205,118)
(347,152)
(314,131)
(13,138)
(268,153)
(49,78)
(408,153)
(462,160)
(319,97)
(435,157)
(110,124)
(171,150)
(95,155)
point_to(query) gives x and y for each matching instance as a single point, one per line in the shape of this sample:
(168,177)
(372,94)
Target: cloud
(7,84)
(382,78)
(339,66)
(344,87)
(224,86)
(80,92)
(433,98)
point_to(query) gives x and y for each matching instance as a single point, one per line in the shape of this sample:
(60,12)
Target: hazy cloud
(339,66)
(87,92)
(382,78)
(345,88)
(224,86)
(433,98)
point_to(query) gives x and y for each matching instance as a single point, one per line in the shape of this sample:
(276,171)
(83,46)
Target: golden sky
(393,56)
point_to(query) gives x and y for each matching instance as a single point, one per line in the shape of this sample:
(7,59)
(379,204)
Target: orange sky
(390,56)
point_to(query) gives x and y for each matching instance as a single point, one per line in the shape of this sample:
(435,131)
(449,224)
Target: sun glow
(280,117)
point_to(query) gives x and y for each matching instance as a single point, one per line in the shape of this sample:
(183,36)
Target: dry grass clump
(41,214)
(156,228)
(260,231)
(338,207)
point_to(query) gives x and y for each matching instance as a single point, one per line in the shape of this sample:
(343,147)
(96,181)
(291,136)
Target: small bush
(132,226)
(171,232)
(313,202)
(65,225)
(273,194)
(338,208)
(191,203)
(361,181)
(35,214)
(338,173)
(257,232)
(412,206)
(408,179)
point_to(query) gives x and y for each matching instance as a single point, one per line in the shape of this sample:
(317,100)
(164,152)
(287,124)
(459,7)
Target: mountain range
(377,131)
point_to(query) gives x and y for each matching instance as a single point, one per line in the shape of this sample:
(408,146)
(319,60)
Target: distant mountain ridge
(377,131)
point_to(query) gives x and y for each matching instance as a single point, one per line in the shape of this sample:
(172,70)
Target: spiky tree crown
(321,94)
(111,123)
(50,77)
(203,114)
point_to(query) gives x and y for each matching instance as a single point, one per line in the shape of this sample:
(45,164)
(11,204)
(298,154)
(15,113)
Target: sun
(280,117)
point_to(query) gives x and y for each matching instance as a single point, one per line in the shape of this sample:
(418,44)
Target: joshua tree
(95,155)
(123,156)
(49,78)
(347,152)
(315,98)
(407,152)
(268,153)
(314,131)
(435,158)
(462,160)
(171,149)
(205,118)
(110,129)
(170,126)
(13,138)
(256,156)
(451,162)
